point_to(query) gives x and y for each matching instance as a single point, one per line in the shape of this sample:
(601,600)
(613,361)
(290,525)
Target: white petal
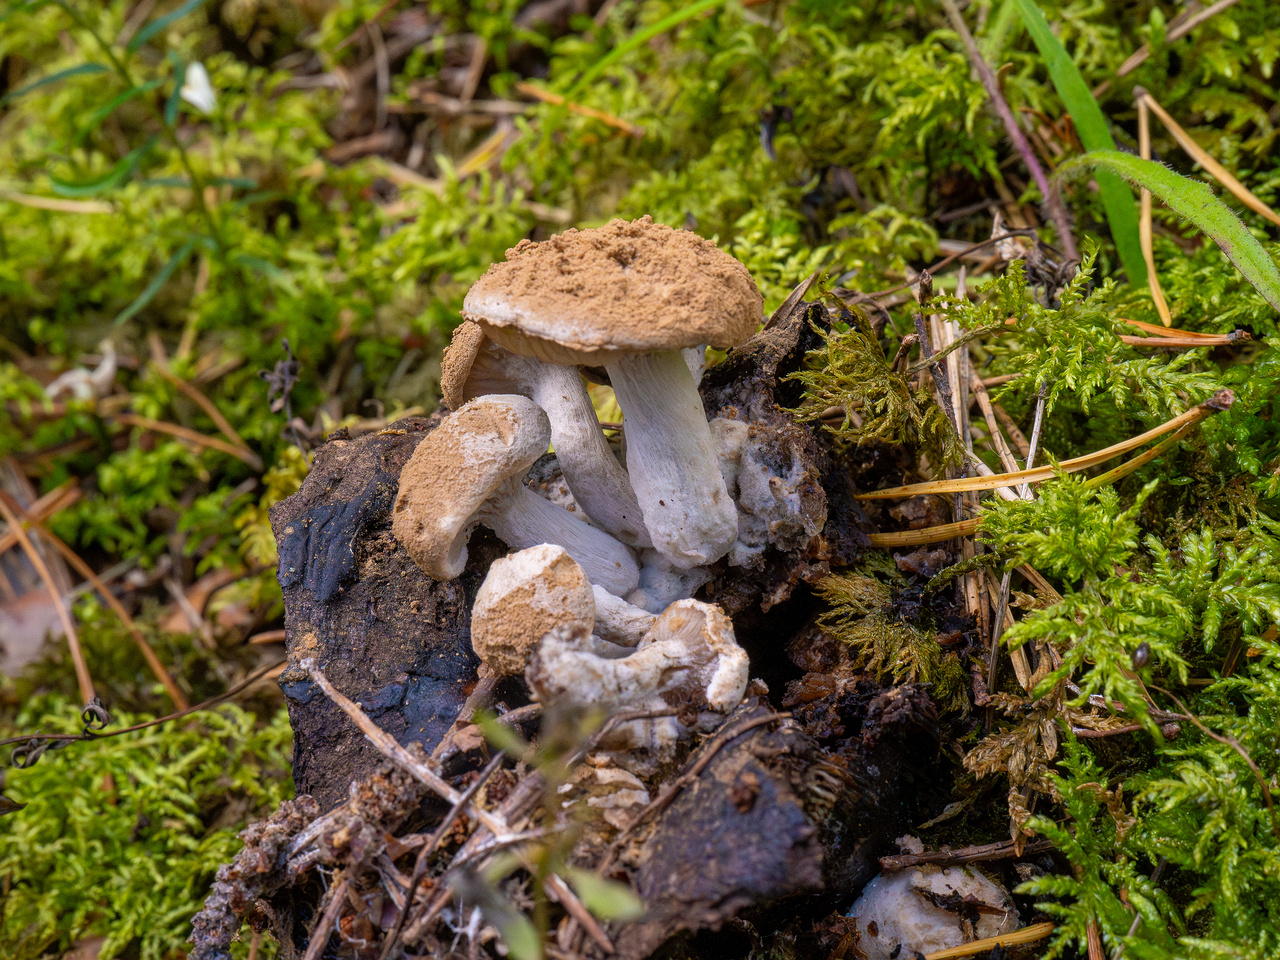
(197,90)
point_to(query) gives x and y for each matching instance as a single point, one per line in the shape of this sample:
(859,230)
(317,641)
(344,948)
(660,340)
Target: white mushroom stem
(671,458)
(523,519)
(662,583)
(599,483)
(620,622)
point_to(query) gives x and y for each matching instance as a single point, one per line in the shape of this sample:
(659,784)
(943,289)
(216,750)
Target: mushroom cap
(525,596)
(592,296)
(455,365)
(723,668)
(458,466)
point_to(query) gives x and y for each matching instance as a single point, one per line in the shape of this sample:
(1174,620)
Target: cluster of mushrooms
(593,606)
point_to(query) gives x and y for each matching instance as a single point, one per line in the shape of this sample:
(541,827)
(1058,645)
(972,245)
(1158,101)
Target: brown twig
(1179,27)
(50,504)
(1037,931)
(989,82)
(981,853)
(194,394)
(388,747)
(329,918)
(191,436)
(608,119)
(428,848)
(83,680)
(941,264)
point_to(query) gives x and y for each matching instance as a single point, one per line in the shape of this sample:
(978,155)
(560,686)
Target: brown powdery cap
(458,466)
(455,365)
(589,296)
(525,596)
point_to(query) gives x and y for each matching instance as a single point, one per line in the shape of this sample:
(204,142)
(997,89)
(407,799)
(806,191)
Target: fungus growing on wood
(469,470)
(474,365)
(630,296)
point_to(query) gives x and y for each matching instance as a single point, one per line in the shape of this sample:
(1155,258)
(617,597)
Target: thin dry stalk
(608,119)
(1037,931)
(328,920)
(1202,157)
(388,747)
(981,853)
(191,436)
(1179,27)
(428,848)
(49,505)
(83,680)
(1144,220)
(1222,400)
(998,443)
(194,394)
(1053,202)
(148,652)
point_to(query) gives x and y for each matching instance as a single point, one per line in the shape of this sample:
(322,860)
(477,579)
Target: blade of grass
(158,24)
(53,78)
(1195,202)
(1202,157)
(638,39)
(1144,222)
(1092,128)
(158,281)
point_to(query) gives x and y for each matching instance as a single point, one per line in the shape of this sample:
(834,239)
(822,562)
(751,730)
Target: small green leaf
(521,937)
(155,26)
(81,70)
(500,736)
(1094,133)
(1195,202)
(95,119)
(160,279)
(607,899)
(109,181)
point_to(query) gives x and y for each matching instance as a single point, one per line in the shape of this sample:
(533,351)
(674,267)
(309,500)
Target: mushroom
(525,596)
(468,470)
(631,296)
(473,366)
(689,653)
(662,583)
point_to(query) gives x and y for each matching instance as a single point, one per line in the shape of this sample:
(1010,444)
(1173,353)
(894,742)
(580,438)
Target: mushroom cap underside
(596,295)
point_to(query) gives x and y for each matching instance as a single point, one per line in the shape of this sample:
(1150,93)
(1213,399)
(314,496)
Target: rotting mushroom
(620,622)
(474,365)
(689,656)
(631,296)
(469,470)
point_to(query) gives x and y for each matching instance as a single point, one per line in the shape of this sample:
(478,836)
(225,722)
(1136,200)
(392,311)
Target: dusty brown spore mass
(629,286)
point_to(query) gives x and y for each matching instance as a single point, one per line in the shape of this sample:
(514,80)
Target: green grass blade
(53,78)
(155,26)
(95,119)
(1091,125)
(108,181)
(1195,202)
(639,38)
(158,281)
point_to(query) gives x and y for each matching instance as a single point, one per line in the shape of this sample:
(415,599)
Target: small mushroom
(468,470)
(525,596)
(631,297)
(689,654)
(474,366)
